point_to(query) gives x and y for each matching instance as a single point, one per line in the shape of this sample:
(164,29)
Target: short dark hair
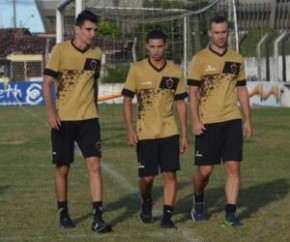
(86,15)
(156,34)
(218,19)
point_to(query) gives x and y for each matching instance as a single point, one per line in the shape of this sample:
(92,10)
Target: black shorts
(85,133)
(220,141)
(156,154)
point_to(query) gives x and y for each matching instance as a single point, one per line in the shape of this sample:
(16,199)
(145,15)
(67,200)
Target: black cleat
(146,212)
(65,222)
(100,226)
(167,224)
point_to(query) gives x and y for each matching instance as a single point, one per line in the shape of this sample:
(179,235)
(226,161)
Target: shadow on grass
(4,188)
(131,205)
(251,199)
(256,197)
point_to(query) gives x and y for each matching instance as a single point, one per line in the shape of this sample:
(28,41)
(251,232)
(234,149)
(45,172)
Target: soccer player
(74,66)
(158,85)
(216,85)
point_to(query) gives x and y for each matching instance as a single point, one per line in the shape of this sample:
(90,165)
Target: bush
(116,73)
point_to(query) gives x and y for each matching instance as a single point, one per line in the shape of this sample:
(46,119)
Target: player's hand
(132,138)
(247,128)
(198,128)
(184,146)
(53,119)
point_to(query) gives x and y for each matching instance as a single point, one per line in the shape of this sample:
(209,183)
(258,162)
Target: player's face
(86,33)
(218,34)
(156,49)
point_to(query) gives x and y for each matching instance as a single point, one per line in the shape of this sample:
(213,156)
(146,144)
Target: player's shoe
(198,212)
(146,211)
(167,224)
(100,226)
(65,222)
(232,220)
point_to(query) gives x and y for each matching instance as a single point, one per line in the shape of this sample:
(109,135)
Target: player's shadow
(130,204)
(4,189)
(251,199)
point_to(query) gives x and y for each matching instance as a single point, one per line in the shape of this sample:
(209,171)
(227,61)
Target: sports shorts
(86,133)
(158,154)
(220,142)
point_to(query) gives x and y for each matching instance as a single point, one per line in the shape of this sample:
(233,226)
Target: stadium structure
(185,23)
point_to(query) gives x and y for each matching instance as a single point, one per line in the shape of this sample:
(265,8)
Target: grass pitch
(28,207)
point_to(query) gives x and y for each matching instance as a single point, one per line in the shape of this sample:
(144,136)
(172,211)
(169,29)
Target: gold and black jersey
(75,72)
(217,76)
(156,91)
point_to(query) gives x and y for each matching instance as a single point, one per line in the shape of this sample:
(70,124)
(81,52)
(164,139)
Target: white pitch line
(187,237)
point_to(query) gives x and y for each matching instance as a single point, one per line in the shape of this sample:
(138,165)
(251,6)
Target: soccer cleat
(167,224)
(232,220)
(198,212)
(146,212)
(100,226)
(65,222)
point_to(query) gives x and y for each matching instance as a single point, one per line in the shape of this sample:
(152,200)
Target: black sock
(97,209)
(63,208)
(146,197)
(167,212)
(230,208)
(198,198)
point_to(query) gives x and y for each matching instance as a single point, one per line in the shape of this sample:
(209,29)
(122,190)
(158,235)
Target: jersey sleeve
(195,72)
(181,92)
(53,64)
(241,79)
(130,85)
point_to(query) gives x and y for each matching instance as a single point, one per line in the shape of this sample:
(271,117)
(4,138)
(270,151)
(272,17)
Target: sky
(27,15)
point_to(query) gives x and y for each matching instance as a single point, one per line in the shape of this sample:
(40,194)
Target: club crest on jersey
(92,64)
(169,82)
(234,68)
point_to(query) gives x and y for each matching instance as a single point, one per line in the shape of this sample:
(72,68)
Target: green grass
(27,202)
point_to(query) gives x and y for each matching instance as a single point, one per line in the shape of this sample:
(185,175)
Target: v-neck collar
(155,68)
(80,50)
(217,53)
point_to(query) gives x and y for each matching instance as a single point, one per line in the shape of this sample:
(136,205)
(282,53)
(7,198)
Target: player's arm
(128,116)
(197,126)
(52,117)
(182,118)
(243,98)
(96,90)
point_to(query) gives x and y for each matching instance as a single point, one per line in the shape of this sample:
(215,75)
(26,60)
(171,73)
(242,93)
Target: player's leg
(62,154)
(207,154)
(232,155)
(89,140)
(147,157)
(169,165)
(169,197)
(200,180)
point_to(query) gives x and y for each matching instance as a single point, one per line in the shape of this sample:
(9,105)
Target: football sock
(230,208)
(198,198)
(146,197)
(63,208)
(97,209)
(167,212)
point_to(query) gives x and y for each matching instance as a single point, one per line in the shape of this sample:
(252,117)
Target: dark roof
(20,40)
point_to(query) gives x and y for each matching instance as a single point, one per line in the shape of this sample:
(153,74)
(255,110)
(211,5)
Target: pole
(185,46)
(236,26)
(14,14)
